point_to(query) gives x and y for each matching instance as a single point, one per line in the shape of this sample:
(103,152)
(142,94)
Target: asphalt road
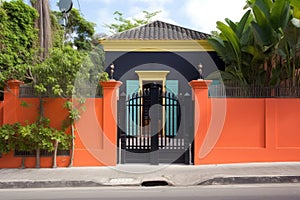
(232,192)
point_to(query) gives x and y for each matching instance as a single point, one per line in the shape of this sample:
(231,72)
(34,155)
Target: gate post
(110,98)
(154,125)
(122,127)
(188,127)
(11,101)
(200,95)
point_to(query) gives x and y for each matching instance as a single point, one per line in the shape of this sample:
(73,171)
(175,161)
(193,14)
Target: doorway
(153,126)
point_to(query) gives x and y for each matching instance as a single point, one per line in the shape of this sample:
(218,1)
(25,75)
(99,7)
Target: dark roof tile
(159,30)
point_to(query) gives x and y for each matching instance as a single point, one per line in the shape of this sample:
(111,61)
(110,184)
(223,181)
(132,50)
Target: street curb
(57,184)
(47,184)
(152,183)
(251,180)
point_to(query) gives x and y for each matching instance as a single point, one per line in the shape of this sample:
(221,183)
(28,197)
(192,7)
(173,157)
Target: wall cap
(14,84)
(110,84)
(200,84)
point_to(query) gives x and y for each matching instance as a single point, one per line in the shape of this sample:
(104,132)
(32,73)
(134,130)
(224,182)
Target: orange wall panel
(92,146)
(287,123)
(244,124)
(89,128)
(28,109)
(83,158)
(9,161)
(54,110)
(255,130)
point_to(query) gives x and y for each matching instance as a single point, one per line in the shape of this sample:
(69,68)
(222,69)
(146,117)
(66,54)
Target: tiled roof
(159,30)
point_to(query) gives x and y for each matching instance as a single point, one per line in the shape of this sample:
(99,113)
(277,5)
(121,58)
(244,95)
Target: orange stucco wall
(1,112)
(28,114)
(226,130)
(90,125)
(89,135)
(96,131)
(10,161)
(244,124)
(95,143)
(254,130)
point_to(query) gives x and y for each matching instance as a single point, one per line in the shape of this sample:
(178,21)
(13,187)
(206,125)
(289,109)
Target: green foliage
(25,104)
(263,48)
(18,39)
(103,76)
(296,9)
(229,45)
(68,69)
(57,75)
(31,137)
(8,137)
(39,134)
(74,109)
(69,72)
(123,24)
(78,31)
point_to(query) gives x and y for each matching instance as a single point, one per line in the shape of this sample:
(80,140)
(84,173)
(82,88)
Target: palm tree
(43,24)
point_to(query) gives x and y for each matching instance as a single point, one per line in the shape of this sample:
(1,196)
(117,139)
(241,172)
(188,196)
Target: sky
(200,15)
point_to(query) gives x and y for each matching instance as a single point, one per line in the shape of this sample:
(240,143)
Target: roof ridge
(179,26)
(156,30)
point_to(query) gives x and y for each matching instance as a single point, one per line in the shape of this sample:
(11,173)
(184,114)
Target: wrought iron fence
(27,91)
(44,153)
(222,91)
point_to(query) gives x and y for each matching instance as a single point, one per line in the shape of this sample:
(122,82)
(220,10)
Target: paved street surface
(136,175)
(235,192)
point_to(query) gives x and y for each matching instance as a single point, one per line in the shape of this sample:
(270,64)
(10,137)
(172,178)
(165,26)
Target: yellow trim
(161,75)
(156,45)
(152,76)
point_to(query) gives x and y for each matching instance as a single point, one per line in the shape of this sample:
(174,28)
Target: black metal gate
(155,127)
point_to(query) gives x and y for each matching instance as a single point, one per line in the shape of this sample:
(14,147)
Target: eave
(156,45)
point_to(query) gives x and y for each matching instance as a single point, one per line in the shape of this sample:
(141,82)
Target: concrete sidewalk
(147,175)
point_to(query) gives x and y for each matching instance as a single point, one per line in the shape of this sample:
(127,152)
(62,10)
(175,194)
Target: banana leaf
(296,8)
(280,14)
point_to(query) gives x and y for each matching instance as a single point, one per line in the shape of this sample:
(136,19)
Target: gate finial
(112,70)
(200,67)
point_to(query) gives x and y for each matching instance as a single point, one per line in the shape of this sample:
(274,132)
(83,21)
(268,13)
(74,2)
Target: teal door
(132,113)
(171,123)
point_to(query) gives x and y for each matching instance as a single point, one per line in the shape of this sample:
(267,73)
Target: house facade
(169,56)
